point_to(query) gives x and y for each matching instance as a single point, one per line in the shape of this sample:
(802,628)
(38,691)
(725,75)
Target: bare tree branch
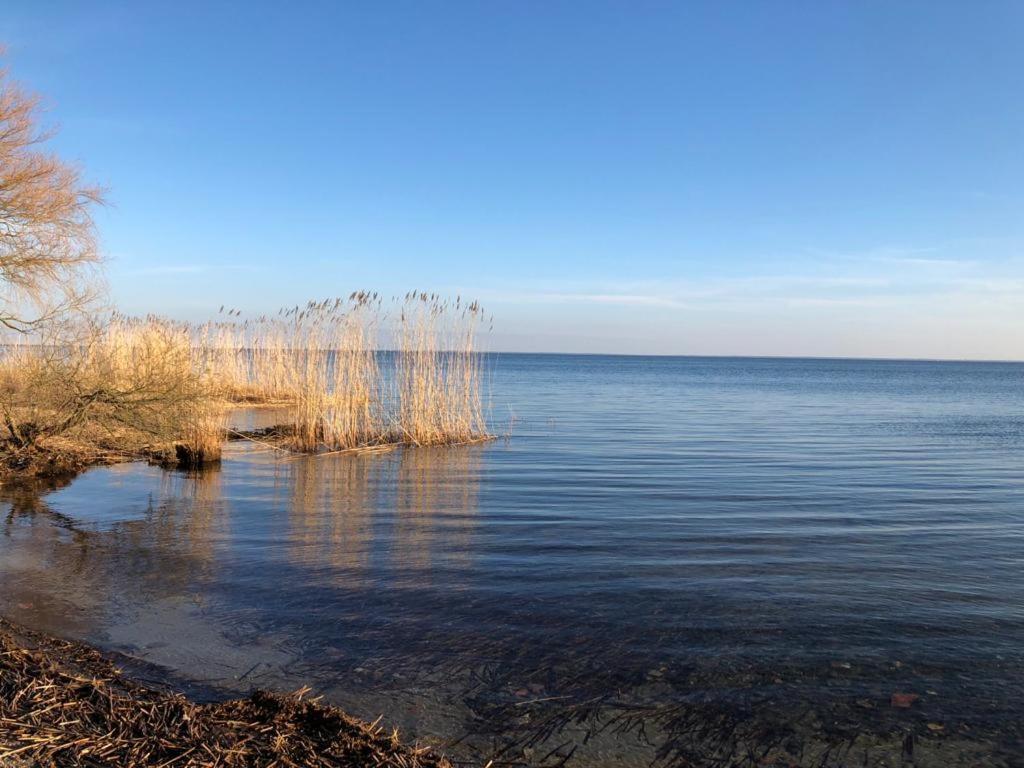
(48,245)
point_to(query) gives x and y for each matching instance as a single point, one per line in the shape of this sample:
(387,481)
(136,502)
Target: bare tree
(48,244)
(76,384)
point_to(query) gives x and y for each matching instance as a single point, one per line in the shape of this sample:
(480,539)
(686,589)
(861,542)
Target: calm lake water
(728,561)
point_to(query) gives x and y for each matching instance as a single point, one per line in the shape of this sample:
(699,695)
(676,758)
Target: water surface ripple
(731,561)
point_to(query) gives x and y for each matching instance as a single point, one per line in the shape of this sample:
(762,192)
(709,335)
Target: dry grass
(334,377)
(325,360)
(63,704)
(438,372)
(122,387)
(202,434)
(151,385)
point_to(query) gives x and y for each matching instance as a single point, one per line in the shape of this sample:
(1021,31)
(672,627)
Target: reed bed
(346,390)
(154,382)
(439,372)
(172,367)
(109,389)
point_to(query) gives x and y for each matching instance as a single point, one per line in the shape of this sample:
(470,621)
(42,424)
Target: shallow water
(733,561)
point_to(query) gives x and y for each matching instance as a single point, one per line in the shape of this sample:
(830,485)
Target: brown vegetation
(63,704)
(105,391)
(438,372)
(124,387)
(76,388)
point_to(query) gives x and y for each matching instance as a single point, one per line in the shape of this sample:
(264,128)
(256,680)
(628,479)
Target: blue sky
(777,178)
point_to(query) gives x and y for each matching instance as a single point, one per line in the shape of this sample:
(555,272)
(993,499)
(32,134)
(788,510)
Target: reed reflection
(383,518)
(34,542)
(436,498)
(329,514)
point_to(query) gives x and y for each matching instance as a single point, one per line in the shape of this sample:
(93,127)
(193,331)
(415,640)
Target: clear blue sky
(822,178)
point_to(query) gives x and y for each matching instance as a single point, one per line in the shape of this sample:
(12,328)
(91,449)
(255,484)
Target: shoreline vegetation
(103,390)
(80,386)
(65,704)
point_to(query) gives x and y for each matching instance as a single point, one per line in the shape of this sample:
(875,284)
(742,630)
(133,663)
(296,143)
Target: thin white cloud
(991,285)
(890,277)
(630,299)
(888,252)
(917,261)
(174,269)
(865,301)
(190,269)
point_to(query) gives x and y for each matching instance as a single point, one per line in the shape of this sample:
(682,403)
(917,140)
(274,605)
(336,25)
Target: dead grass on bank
(101,391)
(64,704)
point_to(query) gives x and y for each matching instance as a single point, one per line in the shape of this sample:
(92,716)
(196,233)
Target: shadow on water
(811,584)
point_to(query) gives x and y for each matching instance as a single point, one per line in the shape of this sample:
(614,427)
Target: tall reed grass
(343,388)
(347,390)
(438,371)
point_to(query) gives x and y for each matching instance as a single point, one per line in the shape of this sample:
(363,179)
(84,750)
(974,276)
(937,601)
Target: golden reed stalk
(323,361)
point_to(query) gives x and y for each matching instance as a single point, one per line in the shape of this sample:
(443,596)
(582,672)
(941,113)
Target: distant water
(731,561)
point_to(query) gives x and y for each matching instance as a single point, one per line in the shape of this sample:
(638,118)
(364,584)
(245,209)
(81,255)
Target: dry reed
(345,392)
(439,372)
(151,382)
(64,704)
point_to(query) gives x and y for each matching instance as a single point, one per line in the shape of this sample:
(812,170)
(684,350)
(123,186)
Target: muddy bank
(65,704)
(58,460)
(63,460)
(26,466)
(39,465)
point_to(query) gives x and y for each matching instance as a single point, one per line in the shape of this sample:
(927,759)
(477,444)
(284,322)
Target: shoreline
(42,464)
(65,703)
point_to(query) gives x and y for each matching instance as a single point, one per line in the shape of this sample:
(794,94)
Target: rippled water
(732,561)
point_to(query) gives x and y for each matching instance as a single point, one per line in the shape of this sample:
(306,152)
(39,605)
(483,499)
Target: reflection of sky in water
(769,546)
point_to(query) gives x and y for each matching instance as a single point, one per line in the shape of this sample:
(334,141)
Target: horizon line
(849,358)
